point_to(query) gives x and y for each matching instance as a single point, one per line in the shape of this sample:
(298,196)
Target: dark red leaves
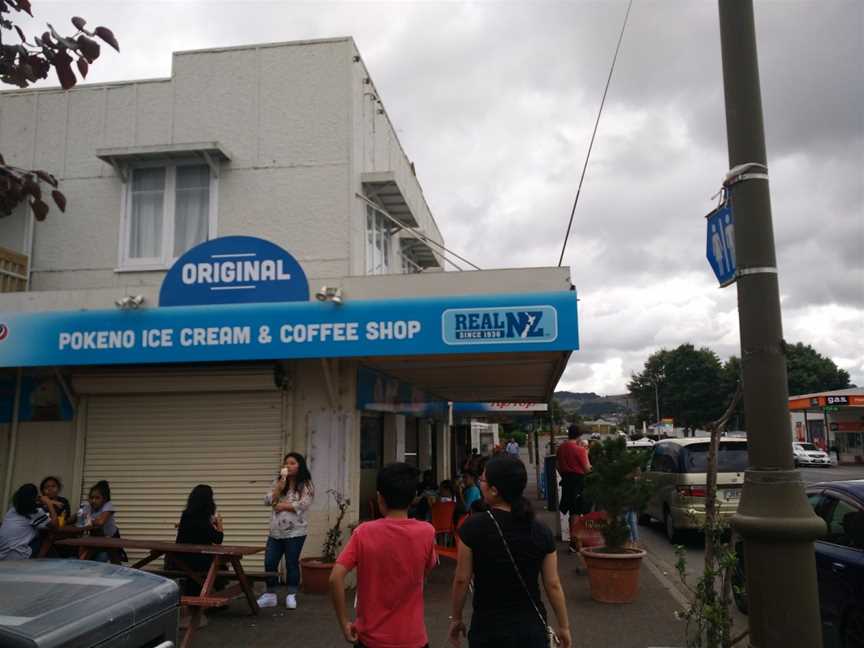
(40,209)
(83,67)
(108,36)
(89,49)
(79,22)
(59,199)
(45,177)
(62,63)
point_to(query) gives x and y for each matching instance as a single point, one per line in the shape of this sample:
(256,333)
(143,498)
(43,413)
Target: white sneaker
(268,599)
(291,601)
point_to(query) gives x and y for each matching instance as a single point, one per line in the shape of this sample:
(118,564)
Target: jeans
(633,524)
(290,548)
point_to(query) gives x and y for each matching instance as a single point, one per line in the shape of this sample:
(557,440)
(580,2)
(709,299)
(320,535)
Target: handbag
(552,639)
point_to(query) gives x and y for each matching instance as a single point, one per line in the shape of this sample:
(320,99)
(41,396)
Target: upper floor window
(169,208)
(379,242)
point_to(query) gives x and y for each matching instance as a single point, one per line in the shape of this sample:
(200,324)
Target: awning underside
(492,377)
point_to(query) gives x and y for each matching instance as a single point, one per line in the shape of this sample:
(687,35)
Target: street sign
(720,248)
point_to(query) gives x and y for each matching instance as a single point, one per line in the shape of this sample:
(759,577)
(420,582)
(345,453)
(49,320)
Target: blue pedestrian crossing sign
(721,244)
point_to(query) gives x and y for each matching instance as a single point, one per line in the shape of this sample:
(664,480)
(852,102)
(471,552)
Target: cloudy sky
(495,102)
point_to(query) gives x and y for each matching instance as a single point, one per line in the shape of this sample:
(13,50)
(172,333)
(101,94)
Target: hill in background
(591,405)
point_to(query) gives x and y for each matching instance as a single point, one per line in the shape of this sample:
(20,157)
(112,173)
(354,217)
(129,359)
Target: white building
(115,368)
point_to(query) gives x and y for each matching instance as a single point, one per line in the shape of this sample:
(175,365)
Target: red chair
(445,540)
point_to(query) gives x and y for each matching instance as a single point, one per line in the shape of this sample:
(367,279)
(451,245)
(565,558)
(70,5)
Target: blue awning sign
(234,270)
(284,330)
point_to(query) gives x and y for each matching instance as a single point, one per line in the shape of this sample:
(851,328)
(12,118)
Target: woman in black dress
(201,525)
(508,610)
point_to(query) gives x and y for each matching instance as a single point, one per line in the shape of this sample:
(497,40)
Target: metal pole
(657,400)
(13,437)
(774,518)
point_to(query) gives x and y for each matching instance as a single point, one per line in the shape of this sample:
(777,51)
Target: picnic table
(223,556)
(50,535)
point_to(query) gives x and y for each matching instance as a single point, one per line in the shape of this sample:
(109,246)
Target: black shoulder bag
(552,638)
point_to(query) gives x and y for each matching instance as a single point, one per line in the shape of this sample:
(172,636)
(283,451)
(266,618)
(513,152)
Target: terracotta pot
(614,577)
(315,575)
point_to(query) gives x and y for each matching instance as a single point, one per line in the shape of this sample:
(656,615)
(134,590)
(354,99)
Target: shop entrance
(371,461)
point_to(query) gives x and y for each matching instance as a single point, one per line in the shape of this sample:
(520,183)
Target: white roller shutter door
(154,448)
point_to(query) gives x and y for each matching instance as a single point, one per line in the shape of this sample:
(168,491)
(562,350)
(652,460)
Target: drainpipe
(29,237)
(13,436)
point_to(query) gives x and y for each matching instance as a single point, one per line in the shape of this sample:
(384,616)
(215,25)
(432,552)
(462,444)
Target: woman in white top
(290,497)
(19,533)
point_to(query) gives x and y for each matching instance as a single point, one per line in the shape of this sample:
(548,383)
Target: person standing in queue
(573,464)
(506,550)
(290,497)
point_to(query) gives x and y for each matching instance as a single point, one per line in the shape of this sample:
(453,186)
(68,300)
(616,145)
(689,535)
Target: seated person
(50,489)
(421,506)
(471,495)
(201,525)
(19,533)
(96,515)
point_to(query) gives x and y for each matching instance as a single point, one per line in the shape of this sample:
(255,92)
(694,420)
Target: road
(662,554)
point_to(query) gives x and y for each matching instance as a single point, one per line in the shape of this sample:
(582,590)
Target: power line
(596,124)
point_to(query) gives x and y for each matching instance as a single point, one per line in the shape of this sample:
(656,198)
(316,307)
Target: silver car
(677,471)
(807,454)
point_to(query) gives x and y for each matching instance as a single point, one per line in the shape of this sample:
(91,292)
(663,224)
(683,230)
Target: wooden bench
(179,573)
(223,556)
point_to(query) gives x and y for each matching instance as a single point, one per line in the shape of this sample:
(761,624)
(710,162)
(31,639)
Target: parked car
(677,471)
(807,454)
(839,563)
(74,603)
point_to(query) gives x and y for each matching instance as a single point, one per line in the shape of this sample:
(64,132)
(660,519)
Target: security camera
(331,294)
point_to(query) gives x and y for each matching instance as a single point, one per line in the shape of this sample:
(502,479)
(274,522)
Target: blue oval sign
(234,270)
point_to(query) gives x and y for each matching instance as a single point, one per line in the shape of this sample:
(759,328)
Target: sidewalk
(647,623)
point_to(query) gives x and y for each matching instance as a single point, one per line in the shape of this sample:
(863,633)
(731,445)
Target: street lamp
(657,378)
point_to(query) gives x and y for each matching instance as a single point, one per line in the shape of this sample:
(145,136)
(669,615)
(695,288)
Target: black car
(839,562)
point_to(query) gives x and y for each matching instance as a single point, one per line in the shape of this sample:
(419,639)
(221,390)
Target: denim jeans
(290,548)
(633,525)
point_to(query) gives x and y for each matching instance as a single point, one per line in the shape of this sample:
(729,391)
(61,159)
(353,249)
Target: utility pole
(774,517)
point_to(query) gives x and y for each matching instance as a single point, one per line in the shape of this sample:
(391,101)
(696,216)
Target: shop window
(409,262)
(169,208)
(845,525)
(379,242)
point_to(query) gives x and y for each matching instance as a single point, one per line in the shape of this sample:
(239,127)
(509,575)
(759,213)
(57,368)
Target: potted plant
(316,571)
(614,486)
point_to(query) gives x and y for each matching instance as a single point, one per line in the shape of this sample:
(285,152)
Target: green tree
(688,382)
(808,371)
(556,413)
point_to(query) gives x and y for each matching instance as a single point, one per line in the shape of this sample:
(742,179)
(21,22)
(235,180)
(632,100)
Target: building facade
(132,348)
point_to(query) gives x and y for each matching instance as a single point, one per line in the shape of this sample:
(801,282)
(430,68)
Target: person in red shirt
(392,556)
(573,464)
